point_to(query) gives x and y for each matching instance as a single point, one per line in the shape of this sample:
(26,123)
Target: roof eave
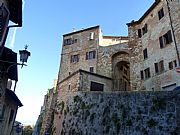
(145,14)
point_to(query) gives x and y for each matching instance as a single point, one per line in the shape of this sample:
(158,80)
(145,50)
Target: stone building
(10,10)
(154,42)
(96,56)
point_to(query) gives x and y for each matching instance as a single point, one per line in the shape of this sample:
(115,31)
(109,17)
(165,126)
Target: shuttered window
(161,13)
(165,39)
(96,86)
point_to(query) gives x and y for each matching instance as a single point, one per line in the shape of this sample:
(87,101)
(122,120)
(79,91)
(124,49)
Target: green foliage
(129,122)
(114,118)
(65,112)
(124,113)
(151,123)
(104,121)
(75,111)
(144,130)
(61,106)
(102,100)
(67,108)
(39,125)
(175,132)
(77,99)
(51,129)
(107,129)
(158,103)
(92,117)
(27,130)
(84,106)
(87,113)
(106,110)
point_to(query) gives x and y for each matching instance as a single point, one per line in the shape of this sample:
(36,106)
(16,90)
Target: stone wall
(46,118)
(123,113)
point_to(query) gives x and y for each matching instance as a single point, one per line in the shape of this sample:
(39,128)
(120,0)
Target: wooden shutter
(139,33)
(169,36)
(161,42)
(156,67)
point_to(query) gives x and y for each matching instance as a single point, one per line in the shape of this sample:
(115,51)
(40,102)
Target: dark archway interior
(122,76)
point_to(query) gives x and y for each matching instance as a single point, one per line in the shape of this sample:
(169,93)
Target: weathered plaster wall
(107,41)
(132,113)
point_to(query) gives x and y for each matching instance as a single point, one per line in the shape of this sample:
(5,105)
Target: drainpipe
(172,28)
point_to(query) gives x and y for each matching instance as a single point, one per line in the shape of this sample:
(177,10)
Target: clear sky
(44,23)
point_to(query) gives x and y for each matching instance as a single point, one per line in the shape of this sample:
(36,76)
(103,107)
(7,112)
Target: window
(142,75)
(139,33)
(172,64)
(69,41)
(11,116)
(96,86)
(147,73)
(161,13)
(69,87)
(175,63)
(75,58)
(159,67)
(165,39)
(144,29)
(2,112)
(91,36)
(145,53)
(91,69)
(156,67)
(90,55)
(125,71)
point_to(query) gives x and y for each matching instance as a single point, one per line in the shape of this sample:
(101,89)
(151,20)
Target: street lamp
(24,54)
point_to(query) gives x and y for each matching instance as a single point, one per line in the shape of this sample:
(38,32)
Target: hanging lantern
(24,54)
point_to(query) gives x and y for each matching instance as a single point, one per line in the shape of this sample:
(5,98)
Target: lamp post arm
(12,64)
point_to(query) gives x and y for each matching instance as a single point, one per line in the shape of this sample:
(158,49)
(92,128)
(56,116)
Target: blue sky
(44,23)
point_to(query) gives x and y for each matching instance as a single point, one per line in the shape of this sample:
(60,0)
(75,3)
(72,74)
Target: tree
(27,130)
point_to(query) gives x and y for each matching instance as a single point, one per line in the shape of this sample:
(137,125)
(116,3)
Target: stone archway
(121,71)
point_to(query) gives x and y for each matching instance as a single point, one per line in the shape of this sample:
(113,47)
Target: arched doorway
(121,71)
